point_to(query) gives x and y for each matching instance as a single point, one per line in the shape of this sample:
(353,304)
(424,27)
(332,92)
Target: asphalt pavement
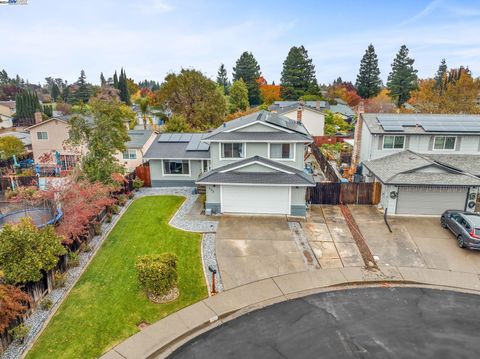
(356,323)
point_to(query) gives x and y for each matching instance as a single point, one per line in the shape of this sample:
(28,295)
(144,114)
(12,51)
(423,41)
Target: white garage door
(255,199)
(430,200)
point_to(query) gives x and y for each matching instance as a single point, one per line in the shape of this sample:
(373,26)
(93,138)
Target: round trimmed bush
(157,273)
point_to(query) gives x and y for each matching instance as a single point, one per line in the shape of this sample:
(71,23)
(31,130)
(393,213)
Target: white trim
(177,175)
(289,200)
(254,184)
(393,148)
(220,152)
(258,122)
(284,159)
(444,149)
(258,163)
(221,199)
(175,158)
(258,141)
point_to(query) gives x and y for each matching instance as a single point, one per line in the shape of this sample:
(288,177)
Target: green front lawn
(106,304)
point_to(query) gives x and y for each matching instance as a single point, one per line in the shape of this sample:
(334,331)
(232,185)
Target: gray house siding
(161,180)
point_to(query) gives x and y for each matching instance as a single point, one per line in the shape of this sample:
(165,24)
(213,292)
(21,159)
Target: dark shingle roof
(293,177)
(257,136)
(138,138)
(405,168)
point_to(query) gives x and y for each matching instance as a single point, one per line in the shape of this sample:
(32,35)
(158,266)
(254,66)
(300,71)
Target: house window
(130,154)
(42,135)
(444,143)
(281,151)
(232,150)
(176,167)
(393,142)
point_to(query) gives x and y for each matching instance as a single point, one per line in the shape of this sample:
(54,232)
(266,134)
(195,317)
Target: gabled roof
(287,106)
(281,174)
(410,168)
(178,146)
(288,126)
(138,138)
(45,122)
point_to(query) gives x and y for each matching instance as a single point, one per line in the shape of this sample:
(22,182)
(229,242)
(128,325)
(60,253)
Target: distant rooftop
(421,123)
(138,138)
(340,107)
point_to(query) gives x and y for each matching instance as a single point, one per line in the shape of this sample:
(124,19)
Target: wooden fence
(327,169)
(143,172)
(344,193)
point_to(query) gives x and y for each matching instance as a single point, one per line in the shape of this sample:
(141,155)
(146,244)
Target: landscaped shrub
(130,195)
(19,332)
(114,209)
(108,218)
(73,260)
(46,304)
(137,184)
(122,200)
(85,248)
(157,273)
(59,279)
(13,303)
(97,228)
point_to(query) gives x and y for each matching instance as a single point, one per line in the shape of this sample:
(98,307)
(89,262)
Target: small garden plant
(158,276)
(137,184)
(20,332)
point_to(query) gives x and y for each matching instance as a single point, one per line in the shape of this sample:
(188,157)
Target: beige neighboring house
(48,138)
(140,141)
(6,115)
(313,119)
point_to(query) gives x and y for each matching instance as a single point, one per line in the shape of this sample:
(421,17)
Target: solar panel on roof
(175,137)
(165,137)
(185,137)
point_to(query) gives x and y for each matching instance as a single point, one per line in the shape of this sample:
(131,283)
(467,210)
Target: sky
(151,38)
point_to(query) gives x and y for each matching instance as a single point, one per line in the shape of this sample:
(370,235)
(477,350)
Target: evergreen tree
(27,104)
(123,87)
(222,79)
(298,75)
(48,110)
(441,73)
(83,90)
(238,96)
(368,82)
(247,69)
(103,82)
(55,92)
(115,80)
(403,77)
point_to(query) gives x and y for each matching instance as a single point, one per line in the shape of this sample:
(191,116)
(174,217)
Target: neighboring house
(140,141)
(48,143)
(257,166)
(177,159)
(340,107)
(10,104)
(312,118)
(22,136)
(426,163)
(6,117)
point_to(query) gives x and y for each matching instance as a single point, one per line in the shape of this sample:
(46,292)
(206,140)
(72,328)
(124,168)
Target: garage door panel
(430,200)
(255,199)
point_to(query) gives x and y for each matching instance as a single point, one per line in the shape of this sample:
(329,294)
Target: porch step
(201,189)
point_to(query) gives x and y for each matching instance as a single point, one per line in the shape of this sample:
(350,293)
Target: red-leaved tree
(13,303)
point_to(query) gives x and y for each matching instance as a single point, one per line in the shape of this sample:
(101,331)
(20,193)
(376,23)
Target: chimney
(299,113)
(38,117)
(317,104)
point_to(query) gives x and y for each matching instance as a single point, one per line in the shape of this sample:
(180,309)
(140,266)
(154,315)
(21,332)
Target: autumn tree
(270,93)
(248,69)
(177,123)
(13,304)
(238,96)
(27,252)
(368,82)
(222,79)
(298,75)
(402,80)
(195,97)
(11,146)
(382,103)
(104,131)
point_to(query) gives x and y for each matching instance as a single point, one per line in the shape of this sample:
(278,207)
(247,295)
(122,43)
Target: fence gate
(344,193)
(143,172)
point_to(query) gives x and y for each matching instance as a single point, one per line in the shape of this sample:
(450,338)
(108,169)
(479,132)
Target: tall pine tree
(222,78)
(55,93)
(441,73)
(103,82)
(115,80)
(123,87)
(403,78)
(82,95)
(298,75)
(247,69)
(368,82)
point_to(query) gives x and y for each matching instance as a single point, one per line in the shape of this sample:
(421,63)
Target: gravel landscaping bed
(210,259)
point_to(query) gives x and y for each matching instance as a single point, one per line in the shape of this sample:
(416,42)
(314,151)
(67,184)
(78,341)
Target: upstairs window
(393,142)
(232,150)
(444,143)
(130,154)
(283,151)
(42,135)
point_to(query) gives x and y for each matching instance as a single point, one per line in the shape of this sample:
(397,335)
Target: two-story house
(426,163)
(253,164)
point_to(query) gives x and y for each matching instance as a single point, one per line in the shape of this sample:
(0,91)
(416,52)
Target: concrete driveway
(415,242)
(250,248)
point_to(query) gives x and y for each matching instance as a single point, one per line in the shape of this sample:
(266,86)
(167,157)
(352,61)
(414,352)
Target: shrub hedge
(157,273)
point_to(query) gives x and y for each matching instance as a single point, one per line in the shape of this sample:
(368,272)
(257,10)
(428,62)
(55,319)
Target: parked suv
(465,226)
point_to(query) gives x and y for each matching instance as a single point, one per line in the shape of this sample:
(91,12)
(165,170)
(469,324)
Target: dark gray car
(465,226)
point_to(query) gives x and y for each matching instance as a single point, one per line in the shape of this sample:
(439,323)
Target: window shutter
(380,142)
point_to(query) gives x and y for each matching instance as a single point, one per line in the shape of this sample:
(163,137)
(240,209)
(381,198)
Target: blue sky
(152,37)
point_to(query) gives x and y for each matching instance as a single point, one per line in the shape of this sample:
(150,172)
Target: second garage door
(430,200)
(255,199)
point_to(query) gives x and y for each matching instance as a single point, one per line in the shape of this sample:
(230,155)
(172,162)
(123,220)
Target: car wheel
(443,222)
(460,242)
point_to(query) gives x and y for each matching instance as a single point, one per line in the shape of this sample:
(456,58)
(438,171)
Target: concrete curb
(163,336)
